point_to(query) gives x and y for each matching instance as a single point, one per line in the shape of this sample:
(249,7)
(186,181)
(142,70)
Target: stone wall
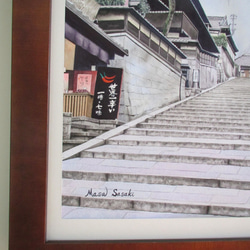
(67,119)
(194,64)
(148,81)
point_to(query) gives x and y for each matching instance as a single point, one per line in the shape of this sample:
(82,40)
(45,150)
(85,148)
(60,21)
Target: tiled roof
(243,60)
(182,39)
(201,11)
(188,40)
(90,27)
(218,22)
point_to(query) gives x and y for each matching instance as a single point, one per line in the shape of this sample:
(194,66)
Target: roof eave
(195,42)
(148,24)
(211,46)
(99,32)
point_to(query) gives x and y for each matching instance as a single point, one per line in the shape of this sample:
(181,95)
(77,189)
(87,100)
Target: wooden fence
(79,104)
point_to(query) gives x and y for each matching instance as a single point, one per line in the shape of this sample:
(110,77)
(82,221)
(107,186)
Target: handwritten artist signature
(114,193)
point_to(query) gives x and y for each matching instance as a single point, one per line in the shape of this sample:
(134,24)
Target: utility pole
(233,24)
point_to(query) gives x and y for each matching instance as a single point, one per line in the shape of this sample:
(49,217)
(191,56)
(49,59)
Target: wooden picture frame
(29,144)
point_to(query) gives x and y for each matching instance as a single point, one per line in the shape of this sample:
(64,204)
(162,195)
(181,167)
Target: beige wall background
(5,83)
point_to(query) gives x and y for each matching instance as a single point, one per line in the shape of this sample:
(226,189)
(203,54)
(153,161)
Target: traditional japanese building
(188,31)
(152,74)
(221,33)
(243,63)
(87,47)
(156,67)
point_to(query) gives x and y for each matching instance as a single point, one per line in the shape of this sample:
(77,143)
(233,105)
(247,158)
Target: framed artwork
(35,157)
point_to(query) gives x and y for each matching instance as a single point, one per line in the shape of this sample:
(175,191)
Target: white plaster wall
(208,76)
(148,82)
(193,64)
(228,68)
(230,51)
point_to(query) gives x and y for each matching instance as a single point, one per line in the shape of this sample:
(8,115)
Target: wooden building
(221,33)
(243,63)
(152,70)
(87,47)
(188,31)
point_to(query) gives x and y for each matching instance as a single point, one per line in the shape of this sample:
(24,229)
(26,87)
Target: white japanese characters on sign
(112,97)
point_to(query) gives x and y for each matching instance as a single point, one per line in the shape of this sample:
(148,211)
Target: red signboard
(84,81)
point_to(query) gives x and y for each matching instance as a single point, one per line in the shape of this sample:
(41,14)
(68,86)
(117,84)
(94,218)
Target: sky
(241,8)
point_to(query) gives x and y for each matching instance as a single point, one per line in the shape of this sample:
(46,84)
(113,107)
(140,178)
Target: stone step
(204,128)
(170,154)
(192,159)
(187,134)
(76,139)
(181,113)
(205,99)
(179,142)
(229,92)
(95,122)
(220,101)
(92,127)
(224,97)
(90,169)
(89,132)
(216,109)
(197,122)
(80,132)
(80,137)
(68,144)
(199,109)
(208,97)
(156,198)
(202,117)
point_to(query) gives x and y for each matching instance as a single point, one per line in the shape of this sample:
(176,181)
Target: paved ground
(190,159)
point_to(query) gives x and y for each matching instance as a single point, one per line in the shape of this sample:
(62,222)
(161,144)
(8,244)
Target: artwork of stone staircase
(193,158)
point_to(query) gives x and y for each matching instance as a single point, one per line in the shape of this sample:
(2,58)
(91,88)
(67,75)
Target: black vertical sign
(107,93)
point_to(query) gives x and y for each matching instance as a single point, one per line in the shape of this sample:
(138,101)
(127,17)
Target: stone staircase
(84,129)
(192,159)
